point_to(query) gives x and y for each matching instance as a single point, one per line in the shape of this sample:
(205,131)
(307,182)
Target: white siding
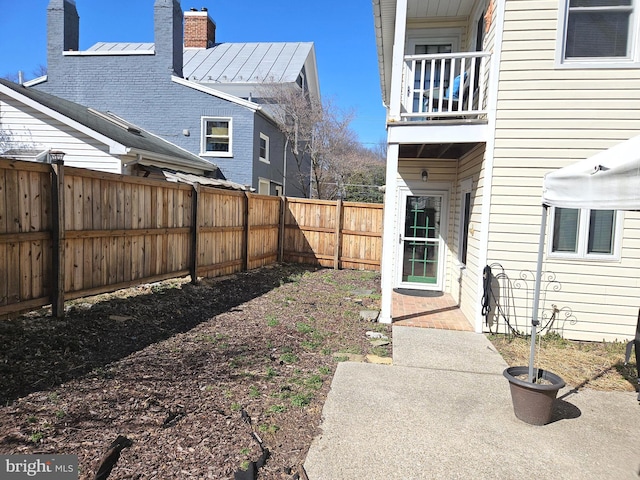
(29,127)
(463,284)
(547,118)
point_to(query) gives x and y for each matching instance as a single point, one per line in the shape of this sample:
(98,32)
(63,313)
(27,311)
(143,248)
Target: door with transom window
(422,247)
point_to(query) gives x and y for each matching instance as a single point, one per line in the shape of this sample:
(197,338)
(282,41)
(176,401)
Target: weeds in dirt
(272,429)
(380,351)
(597,365)
(254,392)
(276,409)
(304,328)
(251,351)
(289,358)
(301,400)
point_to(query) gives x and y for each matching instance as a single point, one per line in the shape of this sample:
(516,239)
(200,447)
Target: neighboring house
(32,123)
(194,93)
(484,98)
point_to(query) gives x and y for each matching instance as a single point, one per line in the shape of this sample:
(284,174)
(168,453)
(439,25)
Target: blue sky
(342,31)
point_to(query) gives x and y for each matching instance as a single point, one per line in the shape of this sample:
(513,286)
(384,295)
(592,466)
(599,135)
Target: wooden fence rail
(66,233)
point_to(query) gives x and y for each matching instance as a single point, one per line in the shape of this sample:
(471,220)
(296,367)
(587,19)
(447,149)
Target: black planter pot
(533,402)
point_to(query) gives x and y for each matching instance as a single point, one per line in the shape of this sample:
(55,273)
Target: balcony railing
(445,86)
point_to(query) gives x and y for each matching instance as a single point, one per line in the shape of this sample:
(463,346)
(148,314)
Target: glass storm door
(421,242)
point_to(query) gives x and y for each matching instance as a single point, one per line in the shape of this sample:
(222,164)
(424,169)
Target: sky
(342,31)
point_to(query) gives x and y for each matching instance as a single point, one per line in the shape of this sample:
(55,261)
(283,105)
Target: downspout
(284,167)
(489,159)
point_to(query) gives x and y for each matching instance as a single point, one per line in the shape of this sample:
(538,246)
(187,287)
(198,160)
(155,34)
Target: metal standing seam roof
(105,47)
(246,62)
(274,62)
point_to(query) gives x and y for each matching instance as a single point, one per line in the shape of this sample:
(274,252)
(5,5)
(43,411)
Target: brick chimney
(199,29)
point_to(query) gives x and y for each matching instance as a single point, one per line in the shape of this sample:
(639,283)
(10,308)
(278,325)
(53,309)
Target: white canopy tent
(609,180)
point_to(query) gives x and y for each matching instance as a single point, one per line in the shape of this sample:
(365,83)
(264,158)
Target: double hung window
(598,29)
(585,233)
(216,137)
(264,148)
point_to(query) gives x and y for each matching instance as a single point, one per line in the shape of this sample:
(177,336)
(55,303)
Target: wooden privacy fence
(333,234)
(68,232)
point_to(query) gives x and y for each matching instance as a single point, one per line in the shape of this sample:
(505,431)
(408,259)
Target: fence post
(338,241)
(245,260)
(57,201)
(195,233)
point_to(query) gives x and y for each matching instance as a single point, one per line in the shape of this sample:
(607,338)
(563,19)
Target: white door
(422,246)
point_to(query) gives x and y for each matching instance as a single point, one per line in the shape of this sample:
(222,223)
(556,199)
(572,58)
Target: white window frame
(264,182)
(435,36)
(632,60)
(266,140)
(465,188)
(583,235)
(203,137)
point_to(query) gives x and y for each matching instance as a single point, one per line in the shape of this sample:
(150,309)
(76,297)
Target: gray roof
(111,126)
(271,62)
(246,62)
(105,47)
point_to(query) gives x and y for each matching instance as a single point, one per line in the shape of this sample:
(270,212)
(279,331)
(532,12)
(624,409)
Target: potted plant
(533,390)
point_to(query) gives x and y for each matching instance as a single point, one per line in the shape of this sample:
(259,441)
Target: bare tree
(12,77)
(40,71)
(319,137)
(19,77)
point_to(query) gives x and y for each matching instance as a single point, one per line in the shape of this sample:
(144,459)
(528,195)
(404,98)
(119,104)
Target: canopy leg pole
(536,291)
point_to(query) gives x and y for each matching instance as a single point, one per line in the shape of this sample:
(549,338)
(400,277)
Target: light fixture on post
(425,175)
(56,157)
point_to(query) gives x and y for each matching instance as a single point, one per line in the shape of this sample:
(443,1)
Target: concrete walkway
(443,411)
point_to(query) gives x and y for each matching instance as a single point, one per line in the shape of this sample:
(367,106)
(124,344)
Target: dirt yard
(196,376)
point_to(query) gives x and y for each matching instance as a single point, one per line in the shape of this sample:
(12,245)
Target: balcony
(445,88)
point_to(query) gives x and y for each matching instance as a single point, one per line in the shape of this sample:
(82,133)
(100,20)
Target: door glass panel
(426,75)
(421,243)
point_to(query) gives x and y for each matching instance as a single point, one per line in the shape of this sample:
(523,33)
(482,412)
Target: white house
(484,97)
(32,123)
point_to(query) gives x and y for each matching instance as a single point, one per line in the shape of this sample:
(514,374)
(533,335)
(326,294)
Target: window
(597,30)
(264,186)
(585,233)
(264,148)
(216,137)
(465,218)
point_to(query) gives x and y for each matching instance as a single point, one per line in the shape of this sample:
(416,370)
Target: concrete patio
(443,411)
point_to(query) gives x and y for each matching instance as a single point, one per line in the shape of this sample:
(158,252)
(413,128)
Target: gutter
(377,23)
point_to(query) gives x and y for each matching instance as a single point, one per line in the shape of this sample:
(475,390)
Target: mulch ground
(201,378)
